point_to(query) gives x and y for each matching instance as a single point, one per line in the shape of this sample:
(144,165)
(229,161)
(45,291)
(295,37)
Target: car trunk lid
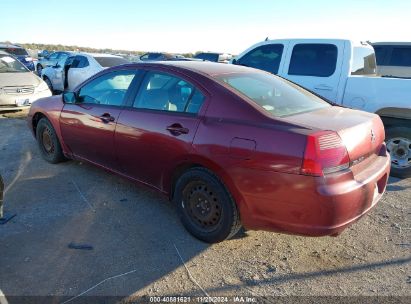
(362,133)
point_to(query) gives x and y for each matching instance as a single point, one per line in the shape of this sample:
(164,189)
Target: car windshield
(15,51)
(276,96)
(107,62)
(10,65)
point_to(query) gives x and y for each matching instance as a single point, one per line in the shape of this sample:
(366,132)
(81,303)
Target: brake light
(324,153)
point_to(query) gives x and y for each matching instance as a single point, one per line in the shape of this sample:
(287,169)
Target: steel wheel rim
(202,205)
(47,141)
(400,152)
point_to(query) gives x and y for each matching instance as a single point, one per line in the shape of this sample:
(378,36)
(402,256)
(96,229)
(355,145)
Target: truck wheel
(206,208)
(48,142)
(399,146)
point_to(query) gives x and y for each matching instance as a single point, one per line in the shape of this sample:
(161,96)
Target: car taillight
(324,153)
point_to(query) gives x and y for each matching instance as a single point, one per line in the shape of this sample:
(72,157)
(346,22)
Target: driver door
(88,125)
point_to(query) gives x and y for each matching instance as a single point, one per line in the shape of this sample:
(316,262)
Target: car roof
(202,67)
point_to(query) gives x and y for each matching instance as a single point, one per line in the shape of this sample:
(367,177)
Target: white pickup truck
(343,72)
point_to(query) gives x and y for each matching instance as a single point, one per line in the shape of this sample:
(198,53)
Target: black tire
(206,208)
(39,69)
(49,84)
(399,146)
(48,142)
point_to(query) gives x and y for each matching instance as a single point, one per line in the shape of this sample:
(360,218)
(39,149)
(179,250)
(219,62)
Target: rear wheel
(206,208)
(399,146)
(48,142)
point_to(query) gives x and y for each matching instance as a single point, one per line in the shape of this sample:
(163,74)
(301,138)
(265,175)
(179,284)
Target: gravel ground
(135,231)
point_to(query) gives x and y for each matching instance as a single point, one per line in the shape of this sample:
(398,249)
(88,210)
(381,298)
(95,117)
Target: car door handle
(106,117)
(177,129)
(323,87)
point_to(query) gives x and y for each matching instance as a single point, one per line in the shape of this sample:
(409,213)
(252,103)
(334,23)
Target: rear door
(315,66)
(88,125)
(154,134)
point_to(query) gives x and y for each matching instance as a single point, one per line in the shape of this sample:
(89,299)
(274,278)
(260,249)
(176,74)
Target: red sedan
(229,145)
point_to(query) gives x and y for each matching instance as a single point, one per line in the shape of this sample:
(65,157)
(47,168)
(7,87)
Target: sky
(182,26)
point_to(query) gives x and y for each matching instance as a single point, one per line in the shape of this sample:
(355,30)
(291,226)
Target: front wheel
(48,142)
(49,84)
(206,208)
(399,146)
(39,69)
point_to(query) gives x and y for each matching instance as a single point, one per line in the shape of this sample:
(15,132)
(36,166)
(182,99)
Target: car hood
(19,79)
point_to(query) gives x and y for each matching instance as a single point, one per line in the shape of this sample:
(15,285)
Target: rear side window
(165,92)
(364,62)
(318,60)
(400,56)
(276,96)
(266,57)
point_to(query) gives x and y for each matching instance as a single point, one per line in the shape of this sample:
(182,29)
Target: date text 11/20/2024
(206,299)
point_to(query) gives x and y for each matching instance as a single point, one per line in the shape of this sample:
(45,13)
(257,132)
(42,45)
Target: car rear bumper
(314,206)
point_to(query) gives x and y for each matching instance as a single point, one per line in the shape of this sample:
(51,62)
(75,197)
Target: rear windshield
(10,65)
(278,97)
(107,62)
(15,51)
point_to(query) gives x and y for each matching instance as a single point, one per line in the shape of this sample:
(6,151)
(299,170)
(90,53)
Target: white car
(19,87)
(344,72)
(78,67)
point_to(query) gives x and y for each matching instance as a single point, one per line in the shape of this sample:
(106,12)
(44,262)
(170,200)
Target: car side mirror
(234,61)
(69,97)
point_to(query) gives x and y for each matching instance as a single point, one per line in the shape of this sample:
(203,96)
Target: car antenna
(266,39)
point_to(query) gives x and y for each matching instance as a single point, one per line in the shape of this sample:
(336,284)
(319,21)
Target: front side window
(364,62)
(165,92)
(401,56)
(108,89)
(276,96)
(266,57)
(318,60)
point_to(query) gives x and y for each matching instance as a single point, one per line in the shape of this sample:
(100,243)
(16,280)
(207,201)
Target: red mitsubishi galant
(231,146)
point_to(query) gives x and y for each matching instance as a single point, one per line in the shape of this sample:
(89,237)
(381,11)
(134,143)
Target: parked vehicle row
(74,68)
(19,87)
(344,72)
